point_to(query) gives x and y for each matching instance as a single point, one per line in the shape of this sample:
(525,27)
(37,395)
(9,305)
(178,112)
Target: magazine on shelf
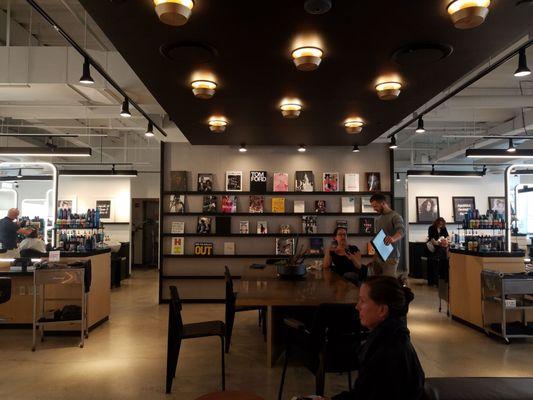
(351,182)
(258,181)
(348,204)
(366,225)
(229,204)
(262,227)
(178,181)
(285,229)
(234,181)
(278,204)
(244,227)
(203,249)
(177,245)
(299,206)
(210,204)
(281,182)
(176,203)
(309,224)
(205,182)
(316,245)
(284,246)
(223,225)
(330,181)
(304,181)
(256,204)
(229,248)
(204,225)
(177,227)
(366,206)
(373,181)
(342,223)
(320,206)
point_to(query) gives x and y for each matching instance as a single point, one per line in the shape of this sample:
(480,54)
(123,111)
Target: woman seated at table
(438,245)
(344,259)
(389,366)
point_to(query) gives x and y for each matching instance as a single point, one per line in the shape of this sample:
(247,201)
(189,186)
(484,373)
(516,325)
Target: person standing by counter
(8,233)
(392,224)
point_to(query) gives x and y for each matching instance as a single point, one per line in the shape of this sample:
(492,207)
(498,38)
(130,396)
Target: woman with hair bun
(389,366)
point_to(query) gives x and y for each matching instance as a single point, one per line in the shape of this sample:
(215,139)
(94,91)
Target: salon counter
(18,311)
(465,280)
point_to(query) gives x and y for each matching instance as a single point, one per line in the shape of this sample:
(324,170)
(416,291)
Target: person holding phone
(344,259)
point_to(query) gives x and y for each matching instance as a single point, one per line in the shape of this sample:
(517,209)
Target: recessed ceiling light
(307,58)
(173,12)
(291,108)
(355,149)
(389,90)
(467,14)
(353,125)
(149,130)
(203,89)
(125,110)
(301,149)
(393,144)
(243,149)
(420,127)
(217,124)
(86,78)
(522,69)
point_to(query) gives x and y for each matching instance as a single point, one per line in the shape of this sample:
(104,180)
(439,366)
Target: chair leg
(223,363)
(229,332)
(285,363)
(260,317)
(172,363)
(175,365)
(320,377)
(349,380)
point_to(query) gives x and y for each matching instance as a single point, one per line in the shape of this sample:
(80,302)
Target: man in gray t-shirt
(392,224)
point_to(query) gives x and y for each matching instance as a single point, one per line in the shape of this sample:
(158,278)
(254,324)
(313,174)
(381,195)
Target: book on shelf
(320,206)
(210,204)
(205,182)
(285,229)
(229,248)
(177,227)
(351,182)
(229,204)
(233,181)
(366,206)
(176,203)
(299,206)
(309,224)
(373,181)
(258,181)
(284,246)
(262,227)
(204,225)
(330,181)
(342,223)
(177,246)
(304,181)
(281,182)
(366,225)
(348,204)
(178,181)
(203,249)
(316,245)
(256,204)
(244,227)
(223,225)
(278,204)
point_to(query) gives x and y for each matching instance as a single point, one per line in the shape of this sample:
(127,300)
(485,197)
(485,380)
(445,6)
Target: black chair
(177,331)
(5,292)
(331,344)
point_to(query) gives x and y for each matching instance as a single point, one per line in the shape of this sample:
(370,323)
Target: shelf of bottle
(270,214)
(288,193)
(246,256)
(254,235)
(480,229)
(76,229)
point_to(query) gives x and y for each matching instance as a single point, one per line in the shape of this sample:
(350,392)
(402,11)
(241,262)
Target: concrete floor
(125,358)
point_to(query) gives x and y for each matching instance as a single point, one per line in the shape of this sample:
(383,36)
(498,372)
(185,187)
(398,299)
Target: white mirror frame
(508,173)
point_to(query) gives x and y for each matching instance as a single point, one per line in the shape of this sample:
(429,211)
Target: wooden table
(262,287)
(230,395)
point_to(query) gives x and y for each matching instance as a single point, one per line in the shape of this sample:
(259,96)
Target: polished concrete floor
(125,358)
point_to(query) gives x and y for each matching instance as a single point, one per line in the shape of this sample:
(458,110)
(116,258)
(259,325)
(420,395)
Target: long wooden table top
(263,287)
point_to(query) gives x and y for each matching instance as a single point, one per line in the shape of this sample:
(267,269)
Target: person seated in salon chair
(344,259)
(388,364)
(32,242)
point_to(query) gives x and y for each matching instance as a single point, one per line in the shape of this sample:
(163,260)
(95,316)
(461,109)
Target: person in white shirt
(33,242)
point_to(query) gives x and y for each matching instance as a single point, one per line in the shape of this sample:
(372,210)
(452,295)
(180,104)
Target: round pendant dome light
(291,108)
(217,124)
(467,14)
(353,125)
(174,12)
(203,89)
(307,58)
(389,90)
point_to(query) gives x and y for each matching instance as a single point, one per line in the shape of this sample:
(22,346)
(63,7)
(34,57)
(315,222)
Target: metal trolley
(505,297)
(58,276)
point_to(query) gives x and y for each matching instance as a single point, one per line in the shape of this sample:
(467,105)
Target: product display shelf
(245,256)
(256,235)
(279,194)
(269,214)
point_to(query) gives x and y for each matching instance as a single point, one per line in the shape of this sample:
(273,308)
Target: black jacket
(389,367)
(433,232)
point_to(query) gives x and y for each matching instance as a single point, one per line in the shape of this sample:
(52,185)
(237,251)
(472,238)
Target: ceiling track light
(393,144)
(19,175)
(98,173)
(174,12)
(353,125)
(444,174)
(45,151)
(388,90)
(468,14)
(291,108)
(397,177)
(498,153)
(420,127)
(522,69)
(243,148)
(125,110)
(301,148)
(511,148)
(86,78)
(217,124)
(203,89)
(149,130)
(355,149)
(307,58)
